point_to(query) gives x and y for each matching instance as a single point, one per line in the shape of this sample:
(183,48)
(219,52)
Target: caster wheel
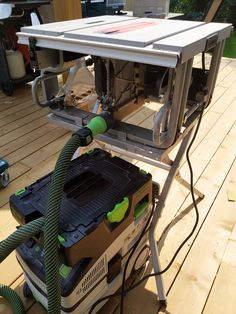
(4,179)
(163,303)
(27,293)
(156,190)
(7,88)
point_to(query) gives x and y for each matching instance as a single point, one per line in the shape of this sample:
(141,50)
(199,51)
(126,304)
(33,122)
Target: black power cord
(120,293)
(123,290)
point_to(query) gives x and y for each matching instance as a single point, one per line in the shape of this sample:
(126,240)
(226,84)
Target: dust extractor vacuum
(96,208)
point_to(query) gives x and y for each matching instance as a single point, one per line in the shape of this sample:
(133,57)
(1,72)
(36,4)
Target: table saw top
(154,41)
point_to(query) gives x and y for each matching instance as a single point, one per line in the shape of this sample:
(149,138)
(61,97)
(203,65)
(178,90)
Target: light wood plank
(206,146)
(10,270)
(215,6)
(199,270)
(6,104)
(43,153)
(33,114)
(69,10)
(19,114)
(17,170)
(209,182)
(222,298)
(26,139)
(15,109)
(32,147)
(25,129)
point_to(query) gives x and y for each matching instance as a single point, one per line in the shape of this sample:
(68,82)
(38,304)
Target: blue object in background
(4,175)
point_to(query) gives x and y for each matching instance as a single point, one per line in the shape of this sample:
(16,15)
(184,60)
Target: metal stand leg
(157,213)
(187,185)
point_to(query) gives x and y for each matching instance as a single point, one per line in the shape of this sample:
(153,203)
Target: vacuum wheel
(4,179)
(27,293)
(163,303)
(7,88)
(156,190)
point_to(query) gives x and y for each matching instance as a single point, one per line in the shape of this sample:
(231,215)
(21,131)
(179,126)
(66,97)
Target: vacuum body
(105,206)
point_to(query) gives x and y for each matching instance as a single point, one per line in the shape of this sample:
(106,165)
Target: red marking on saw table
(127,27)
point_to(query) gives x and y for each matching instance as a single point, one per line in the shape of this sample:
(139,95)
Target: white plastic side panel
(193,41)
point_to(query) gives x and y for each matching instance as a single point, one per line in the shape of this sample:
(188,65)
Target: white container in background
(15,63)
(151,8)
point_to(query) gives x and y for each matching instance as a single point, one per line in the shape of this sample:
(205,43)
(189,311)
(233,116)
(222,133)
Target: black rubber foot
(155,190)
(27,293)
(7,88)
(163,303)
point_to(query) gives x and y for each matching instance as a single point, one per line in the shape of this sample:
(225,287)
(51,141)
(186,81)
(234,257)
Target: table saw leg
(187,185)
(157,213)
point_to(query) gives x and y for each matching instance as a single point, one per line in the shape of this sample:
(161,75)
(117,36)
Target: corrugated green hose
(19,236)
(51,223)
(96,126)
(51,258)
(13,299)
(6,247)
(83,137)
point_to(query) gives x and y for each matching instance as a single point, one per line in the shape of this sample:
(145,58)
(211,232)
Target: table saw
(133,59)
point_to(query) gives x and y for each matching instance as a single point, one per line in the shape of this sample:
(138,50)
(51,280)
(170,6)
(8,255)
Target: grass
(230,46)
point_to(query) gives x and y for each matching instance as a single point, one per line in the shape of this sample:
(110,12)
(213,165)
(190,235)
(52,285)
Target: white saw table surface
(59,28)
(146,40)
(140,32)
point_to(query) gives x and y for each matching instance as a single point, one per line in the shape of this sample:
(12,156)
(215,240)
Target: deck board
(202,279)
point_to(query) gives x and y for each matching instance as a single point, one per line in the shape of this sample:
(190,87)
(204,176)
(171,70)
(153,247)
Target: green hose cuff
(97,126)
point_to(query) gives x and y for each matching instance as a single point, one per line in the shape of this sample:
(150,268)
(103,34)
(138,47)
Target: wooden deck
(203,277)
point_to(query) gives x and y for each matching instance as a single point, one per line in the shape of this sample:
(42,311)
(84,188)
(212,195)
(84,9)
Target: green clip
(89,152)
(119,211)
(21,191)
(143,172)
(61,239)
(65,271)
(37,249)
(140,209)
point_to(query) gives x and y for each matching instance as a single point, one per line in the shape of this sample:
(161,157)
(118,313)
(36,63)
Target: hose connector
(97,125)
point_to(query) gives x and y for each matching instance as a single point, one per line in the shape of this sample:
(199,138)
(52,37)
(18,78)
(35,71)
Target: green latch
(21,191)
(140,209)
(65,271)
(61,239)
(119,211)
(143,171)
(37,249)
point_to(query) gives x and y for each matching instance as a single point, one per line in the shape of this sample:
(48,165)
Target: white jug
(16,64)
